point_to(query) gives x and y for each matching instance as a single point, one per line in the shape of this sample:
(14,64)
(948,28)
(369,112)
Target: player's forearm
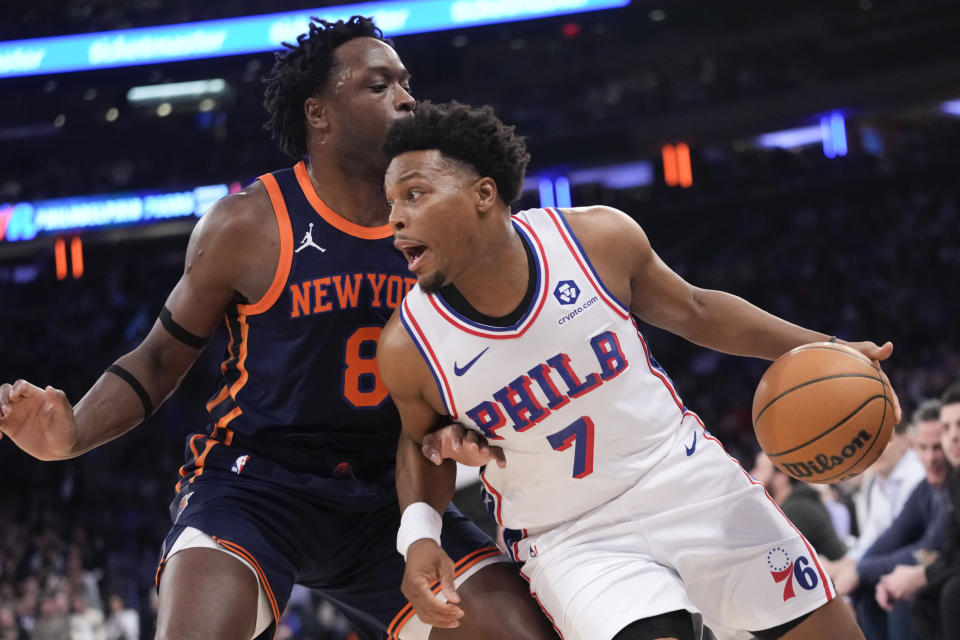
(727,323)
(114,406)
(419,480)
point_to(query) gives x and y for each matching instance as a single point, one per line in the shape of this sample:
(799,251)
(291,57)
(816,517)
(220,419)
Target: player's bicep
(407,378)
(659,296)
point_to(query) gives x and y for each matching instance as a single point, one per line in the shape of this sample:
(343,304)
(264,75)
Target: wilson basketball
(823,412)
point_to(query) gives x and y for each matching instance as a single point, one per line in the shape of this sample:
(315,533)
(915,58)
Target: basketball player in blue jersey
(292,480)
(629,518)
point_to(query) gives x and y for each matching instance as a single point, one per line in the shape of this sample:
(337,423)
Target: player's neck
(353,195)
(496,280)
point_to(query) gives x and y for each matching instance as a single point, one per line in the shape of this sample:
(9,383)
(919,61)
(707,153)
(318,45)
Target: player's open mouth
(413,251)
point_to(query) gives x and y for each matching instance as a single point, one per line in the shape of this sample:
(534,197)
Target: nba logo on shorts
(239,463)
(782,569)
(184,501)
(566,292)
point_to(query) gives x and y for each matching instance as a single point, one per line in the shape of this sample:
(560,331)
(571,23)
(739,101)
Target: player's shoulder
(604,228)
(597,218)
(245,212)
(394,338)
(237,242)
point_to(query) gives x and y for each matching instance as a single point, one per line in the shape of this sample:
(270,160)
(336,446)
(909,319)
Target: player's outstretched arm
(635,274)
(43,423)
(423,488)
(632,270)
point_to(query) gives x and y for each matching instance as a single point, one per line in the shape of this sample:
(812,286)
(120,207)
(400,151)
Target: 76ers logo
(783,569)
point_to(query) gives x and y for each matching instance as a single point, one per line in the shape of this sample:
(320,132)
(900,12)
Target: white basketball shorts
(695,533)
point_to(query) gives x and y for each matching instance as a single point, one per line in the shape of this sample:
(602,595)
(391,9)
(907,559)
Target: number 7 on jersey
(578,433)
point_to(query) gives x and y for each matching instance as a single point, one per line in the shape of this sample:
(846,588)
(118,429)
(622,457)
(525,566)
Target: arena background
(847,222)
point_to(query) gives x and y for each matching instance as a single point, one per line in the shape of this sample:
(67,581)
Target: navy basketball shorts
(289,537)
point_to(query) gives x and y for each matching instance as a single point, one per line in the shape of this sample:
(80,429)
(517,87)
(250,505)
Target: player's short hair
(472,135)
(927,411)
(951,395)
(302,70)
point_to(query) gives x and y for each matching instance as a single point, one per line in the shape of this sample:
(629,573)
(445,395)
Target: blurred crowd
(50,584)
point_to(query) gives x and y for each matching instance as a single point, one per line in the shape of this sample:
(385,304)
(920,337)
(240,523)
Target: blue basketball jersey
(299,382)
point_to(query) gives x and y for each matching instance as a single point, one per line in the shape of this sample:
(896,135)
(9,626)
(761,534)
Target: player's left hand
(904,581)
(427,564)
(466,446)
(879,354)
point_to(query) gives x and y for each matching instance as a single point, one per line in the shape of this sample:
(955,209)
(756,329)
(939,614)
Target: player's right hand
(466,446)
(883,597)
(39,421)
(428,564)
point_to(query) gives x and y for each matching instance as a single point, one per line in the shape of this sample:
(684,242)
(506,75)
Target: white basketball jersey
(570,391)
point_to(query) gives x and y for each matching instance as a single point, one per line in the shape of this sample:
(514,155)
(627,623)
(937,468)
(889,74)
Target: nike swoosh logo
(692,447)
(459,371)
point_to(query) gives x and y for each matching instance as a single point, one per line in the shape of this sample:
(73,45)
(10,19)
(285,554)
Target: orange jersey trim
(246,555)
(286,249)
(224,390)
(465,563)
(333,218)
(230,353)
(242,358)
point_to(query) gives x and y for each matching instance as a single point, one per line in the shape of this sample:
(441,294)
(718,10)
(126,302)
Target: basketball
(823,412)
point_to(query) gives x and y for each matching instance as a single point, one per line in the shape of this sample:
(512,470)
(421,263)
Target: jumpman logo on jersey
(308,241)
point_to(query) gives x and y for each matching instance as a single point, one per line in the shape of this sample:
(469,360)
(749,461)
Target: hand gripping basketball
(824,412)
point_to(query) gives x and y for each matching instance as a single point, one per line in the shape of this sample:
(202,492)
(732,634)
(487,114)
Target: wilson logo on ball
(823,463)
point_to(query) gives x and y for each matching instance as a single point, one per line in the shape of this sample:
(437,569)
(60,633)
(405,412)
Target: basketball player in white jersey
(626,513)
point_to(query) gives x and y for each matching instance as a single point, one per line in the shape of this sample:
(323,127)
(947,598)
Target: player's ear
(485,194)
(315,112)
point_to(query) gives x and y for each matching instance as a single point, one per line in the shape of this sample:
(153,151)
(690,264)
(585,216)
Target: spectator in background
(888,483)
(86,623)
(802,505)
(935,578)
(918,525)
(123,623)
(9,629)
(53,623)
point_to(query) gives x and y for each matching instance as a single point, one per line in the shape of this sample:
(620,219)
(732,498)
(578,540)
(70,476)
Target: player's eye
(378,88)
(414,194)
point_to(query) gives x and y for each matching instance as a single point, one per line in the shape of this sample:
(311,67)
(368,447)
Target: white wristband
(419,521)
